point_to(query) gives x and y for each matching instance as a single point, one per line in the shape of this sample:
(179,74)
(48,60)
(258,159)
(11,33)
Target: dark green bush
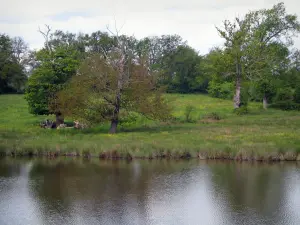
(188,113)
(213,116)
(284,94)
(244,97)
(297,94)
(286,105)
(223,90)
(241,111)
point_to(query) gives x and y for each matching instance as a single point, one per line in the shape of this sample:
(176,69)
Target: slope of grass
(261,135)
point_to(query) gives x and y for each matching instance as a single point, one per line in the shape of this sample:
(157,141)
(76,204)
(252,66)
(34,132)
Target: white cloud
(194,20)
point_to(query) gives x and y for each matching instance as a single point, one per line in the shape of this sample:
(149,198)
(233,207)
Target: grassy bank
(260,135)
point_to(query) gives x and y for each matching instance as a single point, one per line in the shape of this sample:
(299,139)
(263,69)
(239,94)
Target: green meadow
(213,131)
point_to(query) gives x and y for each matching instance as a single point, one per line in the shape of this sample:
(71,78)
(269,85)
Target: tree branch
(46,36)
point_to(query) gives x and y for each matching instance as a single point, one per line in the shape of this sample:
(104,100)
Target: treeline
(14,56)
(256,62)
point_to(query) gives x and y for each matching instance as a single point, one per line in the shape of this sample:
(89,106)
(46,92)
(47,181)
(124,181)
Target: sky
(193,20)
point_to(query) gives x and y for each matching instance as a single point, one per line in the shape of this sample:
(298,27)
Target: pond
(78,191)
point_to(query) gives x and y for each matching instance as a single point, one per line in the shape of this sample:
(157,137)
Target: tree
(268,70)
(236,37)
(57,64)
(295,60)
(182,71)
(100,42)
(105,86)
(60,39)
(248,40)
(55,70)
(215,67)
(268,55)
(158,49)
(12,73)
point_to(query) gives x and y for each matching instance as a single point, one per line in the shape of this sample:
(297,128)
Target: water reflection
(76,191)
(254,193)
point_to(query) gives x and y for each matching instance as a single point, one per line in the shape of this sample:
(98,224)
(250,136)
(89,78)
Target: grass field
(259,135)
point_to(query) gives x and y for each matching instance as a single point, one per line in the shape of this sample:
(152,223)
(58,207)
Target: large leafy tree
(106,85)
(268,55)
(216,67)
(58,62)
(248,40)
(181,71)
(117,78)
(268,70)
(54,71)
(236,39)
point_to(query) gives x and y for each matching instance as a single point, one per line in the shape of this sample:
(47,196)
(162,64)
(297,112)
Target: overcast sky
(194,20)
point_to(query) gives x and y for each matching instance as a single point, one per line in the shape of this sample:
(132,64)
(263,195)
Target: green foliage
(180,72)
(128,118)
(255,43)
(222,90)
(265,87)
(218,65)
(297,94)
(213,116)
(243,110)
(286,99)
(55,69)
(284,94)
(98,94)
(245,94)
(285,105)
(189,109)
(256,51)
(37,97)
(12,75)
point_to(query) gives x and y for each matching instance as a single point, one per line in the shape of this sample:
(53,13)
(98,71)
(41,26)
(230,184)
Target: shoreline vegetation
(211,131)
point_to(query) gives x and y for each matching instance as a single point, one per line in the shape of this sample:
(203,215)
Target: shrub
(244,97)
(285,105)
(241,111)
(286,99)
(213,116)
(263,88)
(254,94)
(188,113)
(221,90)
(284,94)
(297,95)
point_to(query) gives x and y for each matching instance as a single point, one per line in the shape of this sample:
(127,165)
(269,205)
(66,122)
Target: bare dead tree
(119,64)
(46,35)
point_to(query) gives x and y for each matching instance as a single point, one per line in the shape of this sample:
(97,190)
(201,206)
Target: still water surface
(76,191)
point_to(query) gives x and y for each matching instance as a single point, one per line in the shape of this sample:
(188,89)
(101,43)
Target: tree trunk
(265,102)
(117,104)
(237,96)
(113,126)
(115,119)
(59,119)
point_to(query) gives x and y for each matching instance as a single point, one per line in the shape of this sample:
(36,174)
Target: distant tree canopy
(12,69)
